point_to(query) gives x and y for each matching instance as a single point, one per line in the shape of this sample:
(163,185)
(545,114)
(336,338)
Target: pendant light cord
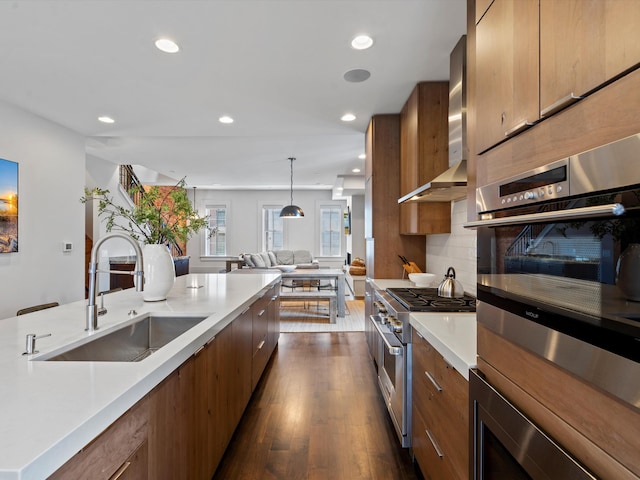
(291,159)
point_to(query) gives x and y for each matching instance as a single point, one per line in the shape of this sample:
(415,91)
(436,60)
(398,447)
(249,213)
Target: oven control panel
(541,184)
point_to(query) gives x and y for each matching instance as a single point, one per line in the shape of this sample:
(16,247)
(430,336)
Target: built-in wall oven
(559,266)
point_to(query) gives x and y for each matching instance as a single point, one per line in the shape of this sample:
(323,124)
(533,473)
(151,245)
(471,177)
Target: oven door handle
(616,209)
(395,350)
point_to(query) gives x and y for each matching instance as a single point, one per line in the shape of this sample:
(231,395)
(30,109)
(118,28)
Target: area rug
(314,317)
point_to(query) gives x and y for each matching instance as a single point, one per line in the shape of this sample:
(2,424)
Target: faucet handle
(102,310)
(31,343)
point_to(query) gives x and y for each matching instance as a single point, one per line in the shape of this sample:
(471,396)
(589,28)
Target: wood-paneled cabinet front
(424,154)
(536,57)
(121,450)
(381,209)
(440,413)
(507,71)
(583,45)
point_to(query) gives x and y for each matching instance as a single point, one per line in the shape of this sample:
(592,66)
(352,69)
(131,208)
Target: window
(331,225)
(216,233)
(272,236)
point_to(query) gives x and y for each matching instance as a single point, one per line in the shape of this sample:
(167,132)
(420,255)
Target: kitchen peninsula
(52,409)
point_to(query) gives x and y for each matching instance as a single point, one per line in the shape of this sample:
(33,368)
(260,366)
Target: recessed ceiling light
(356,170)
(105,119)
(225,119)
(362,42)
(362,156)
(356,75)
(348,117)
(167,46)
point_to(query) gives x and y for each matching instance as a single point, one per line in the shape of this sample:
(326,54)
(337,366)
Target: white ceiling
(275,66)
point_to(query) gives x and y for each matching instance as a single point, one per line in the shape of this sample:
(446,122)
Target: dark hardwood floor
(317,414)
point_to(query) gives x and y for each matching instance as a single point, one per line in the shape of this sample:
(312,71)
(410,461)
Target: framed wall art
(8,206)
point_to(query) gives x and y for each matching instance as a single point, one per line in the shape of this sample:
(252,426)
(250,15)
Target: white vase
(629,272)
(159,272)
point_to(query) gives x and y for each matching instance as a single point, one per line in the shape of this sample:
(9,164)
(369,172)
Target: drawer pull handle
(121,470)
(260,345)
(433,380)
(261,312)
(518,128)
(418,333)
(198,351)
(563,102)
(435,445)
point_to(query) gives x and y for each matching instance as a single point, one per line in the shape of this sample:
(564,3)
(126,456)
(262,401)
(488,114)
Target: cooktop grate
(427,300)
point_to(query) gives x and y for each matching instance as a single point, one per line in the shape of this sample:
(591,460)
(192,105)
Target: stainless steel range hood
(451,184)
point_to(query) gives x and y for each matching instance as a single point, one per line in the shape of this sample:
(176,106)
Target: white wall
(457,249)
(51,170)
(245,224)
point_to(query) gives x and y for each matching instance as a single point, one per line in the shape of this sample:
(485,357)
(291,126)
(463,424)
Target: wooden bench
(329,295)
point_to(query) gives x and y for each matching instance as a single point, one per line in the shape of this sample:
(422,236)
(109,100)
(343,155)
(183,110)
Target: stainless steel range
(391,348)
(427,300)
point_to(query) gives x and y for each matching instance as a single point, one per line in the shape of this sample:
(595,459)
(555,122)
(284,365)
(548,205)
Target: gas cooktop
(427,300)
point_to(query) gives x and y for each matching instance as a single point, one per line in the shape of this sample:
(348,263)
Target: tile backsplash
(456,249)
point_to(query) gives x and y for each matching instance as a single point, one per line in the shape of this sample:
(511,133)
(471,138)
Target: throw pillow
(272,257)
(285,257)
(267,260)
(302,256)
(257,260)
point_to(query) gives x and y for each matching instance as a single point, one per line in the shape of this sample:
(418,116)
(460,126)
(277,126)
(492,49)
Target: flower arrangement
(162,217)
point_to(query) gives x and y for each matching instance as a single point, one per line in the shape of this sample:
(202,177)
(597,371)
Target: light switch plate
(67,246)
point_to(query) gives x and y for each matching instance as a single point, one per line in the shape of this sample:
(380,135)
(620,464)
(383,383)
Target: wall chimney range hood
(452,183)
(448,186)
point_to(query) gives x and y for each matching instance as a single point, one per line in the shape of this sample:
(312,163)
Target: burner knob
(392,318)
(380,307)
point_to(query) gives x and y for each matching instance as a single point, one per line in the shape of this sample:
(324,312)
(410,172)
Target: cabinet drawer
(440,406)
(109,452)
(431,464)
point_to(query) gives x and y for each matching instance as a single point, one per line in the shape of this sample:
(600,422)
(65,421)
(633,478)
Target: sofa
(301,258)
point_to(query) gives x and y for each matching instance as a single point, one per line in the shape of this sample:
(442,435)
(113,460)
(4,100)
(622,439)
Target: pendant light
(291,210)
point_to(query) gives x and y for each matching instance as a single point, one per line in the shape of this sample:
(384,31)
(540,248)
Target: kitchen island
(52,409)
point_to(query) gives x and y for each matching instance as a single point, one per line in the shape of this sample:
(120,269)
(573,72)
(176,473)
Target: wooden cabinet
(241,386)
(259,339)
(481,8)
(583,45)
(273,312)
(172,420)
(120,449)
(181,429)
(536,57)
(424,154)
(440,414)
(506,71)
(381,210)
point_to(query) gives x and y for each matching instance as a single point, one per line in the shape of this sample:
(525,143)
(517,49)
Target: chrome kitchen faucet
(92,309)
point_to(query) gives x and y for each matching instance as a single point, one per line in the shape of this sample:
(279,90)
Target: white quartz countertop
(453,335)
(50,410)
(384,283)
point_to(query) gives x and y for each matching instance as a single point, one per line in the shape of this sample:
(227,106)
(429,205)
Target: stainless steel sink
(131,343)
